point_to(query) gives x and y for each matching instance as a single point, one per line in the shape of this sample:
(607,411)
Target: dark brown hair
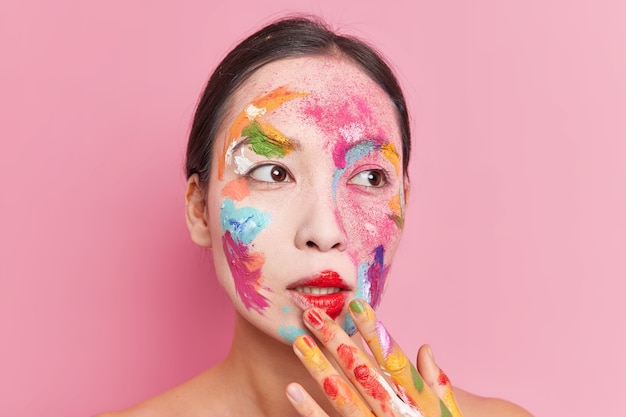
(286,38)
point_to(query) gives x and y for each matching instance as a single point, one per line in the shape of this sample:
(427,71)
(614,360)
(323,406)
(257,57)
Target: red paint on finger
(443,378)
(404,395)
(347,355)
(330,387)
(315,319)
(372,385)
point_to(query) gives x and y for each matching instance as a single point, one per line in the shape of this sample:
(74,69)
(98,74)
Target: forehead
(336,91)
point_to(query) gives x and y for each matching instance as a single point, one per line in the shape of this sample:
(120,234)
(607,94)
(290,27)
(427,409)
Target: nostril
(310,244)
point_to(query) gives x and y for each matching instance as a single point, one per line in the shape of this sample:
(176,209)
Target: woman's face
(306,194)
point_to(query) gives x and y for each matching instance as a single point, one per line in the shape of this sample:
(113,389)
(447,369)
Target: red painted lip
(332,304)
(325,279)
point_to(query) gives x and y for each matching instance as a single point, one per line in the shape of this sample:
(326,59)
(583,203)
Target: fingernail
(294,393)
(314,318)
(357,307)
(304,344)
(430,353)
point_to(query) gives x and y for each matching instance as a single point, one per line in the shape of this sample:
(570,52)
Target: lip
(325,279)
(333,304)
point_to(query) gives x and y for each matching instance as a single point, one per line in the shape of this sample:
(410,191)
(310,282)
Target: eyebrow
(245,140)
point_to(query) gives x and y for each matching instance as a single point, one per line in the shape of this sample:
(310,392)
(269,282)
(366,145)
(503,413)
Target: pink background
(512,265)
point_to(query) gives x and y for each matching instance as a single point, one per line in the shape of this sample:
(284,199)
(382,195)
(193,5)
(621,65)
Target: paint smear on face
(267,141)
(389,152)
(290,333)
(236,189)
(371,279)
(344,157)
(240,227)
(397,210)
(351,109)
(377,276)
(257,108)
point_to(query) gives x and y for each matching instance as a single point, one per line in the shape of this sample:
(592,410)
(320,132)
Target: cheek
(240,226)
(369,222)
(373,230)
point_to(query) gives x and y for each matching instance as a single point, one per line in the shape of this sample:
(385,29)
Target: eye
(270,173)
(370,178)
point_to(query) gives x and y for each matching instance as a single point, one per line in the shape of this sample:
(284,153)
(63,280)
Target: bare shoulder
(476,406)
(200,396)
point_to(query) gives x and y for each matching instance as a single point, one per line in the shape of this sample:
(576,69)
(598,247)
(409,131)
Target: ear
(196,213)
(406,184)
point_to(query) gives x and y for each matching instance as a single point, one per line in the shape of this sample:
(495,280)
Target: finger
(340,393)
(390,357)
(304,404)
(362,373)
(437,379)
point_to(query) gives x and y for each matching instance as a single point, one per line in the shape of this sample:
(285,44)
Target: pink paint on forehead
(338,112)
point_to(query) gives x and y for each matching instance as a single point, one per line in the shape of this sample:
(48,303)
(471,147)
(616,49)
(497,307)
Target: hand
(393,387)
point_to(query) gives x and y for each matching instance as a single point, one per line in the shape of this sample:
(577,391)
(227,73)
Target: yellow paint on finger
(312,356)
(450,402)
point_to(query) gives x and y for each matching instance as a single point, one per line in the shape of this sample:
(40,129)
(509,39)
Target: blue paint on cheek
(244,224)
(362,291)
(289,333)
(287,309)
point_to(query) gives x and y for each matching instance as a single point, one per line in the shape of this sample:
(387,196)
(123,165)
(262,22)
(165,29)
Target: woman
(297,176)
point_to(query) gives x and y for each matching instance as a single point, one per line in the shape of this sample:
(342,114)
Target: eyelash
(384,178)
(255,169)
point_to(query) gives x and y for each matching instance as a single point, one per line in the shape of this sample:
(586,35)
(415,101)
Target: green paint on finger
(444,410)
(417,379)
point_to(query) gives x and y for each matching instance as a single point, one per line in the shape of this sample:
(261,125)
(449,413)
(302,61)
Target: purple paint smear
(377,275)
(246,270)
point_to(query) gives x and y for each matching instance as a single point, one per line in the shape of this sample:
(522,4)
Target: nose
(320,227)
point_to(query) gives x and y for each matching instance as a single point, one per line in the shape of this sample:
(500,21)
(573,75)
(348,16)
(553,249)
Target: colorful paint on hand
(264,132)
(240,227)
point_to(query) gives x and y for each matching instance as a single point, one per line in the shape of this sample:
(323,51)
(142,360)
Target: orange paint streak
(394,205)
(269,102)
(236,190)
(389,152)
(255,262)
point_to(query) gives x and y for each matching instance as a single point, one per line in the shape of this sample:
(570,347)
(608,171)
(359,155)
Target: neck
(261,367)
